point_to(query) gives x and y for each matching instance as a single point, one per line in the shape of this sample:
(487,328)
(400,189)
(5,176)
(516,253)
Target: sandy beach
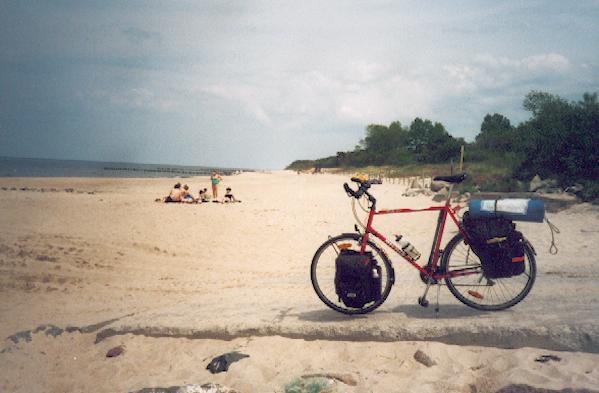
(93,263)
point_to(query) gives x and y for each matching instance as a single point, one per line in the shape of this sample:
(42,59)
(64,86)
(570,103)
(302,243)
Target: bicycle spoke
(500,287)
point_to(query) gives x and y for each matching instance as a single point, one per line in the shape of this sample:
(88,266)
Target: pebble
(116,351)
(423,358)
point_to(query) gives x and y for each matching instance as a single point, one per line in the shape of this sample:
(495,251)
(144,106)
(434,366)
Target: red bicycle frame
(444,211)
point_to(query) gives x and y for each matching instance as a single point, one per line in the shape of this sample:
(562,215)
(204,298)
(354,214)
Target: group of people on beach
(182,194)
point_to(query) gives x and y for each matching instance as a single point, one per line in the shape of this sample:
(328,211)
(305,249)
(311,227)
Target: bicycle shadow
(446,311)
(326,316)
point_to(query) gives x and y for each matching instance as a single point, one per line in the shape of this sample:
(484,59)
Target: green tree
(561,138)
(496,134)
(431,142)
(538,101)
(384,144)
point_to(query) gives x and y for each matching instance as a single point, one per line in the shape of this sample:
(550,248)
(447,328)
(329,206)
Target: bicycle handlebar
(364,186)
(351,192)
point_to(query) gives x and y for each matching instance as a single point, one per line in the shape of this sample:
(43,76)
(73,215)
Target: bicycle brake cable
(365,210)
(353,208)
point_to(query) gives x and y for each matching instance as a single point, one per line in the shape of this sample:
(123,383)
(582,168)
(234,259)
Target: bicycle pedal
(423,302)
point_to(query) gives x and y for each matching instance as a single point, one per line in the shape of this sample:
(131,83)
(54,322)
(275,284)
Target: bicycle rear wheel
(478,291)
(322,272)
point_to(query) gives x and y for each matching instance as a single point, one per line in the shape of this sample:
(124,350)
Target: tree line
(559,141)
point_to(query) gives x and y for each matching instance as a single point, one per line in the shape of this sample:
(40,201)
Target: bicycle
(459,267)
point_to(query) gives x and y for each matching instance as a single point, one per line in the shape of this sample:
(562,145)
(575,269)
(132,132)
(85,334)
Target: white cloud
(462,77)
(365,72)
(248,97)
(359,93)
(546,62)
(496,72)
(396,96)
(138,98)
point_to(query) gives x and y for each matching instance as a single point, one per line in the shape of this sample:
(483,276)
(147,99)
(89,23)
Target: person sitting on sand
(230,198)
(204,196)
(176,194)
(187,197)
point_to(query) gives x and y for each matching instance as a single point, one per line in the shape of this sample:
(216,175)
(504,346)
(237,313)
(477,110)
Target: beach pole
(462,158)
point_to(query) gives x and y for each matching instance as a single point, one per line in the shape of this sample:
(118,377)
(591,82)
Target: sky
(258,84)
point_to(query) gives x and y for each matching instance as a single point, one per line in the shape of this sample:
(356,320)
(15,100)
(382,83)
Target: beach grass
(310,385)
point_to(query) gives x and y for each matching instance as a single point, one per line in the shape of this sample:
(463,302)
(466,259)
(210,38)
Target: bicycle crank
(424,277)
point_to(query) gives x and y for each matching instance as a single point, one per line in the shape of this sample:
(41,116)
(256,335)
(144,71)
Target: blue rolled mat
(532,210)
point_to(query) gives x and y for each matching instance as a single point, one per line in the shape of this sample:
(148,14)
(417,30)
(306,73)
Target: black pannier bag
(497,244)
(357,278)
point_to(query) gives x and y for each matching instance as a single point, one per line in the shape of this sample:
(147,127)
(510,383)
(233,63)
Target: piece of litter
(221,363)
(546,358)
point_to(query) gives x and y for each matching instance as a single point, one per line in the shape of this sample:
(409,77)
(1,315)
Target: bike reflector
(475,294)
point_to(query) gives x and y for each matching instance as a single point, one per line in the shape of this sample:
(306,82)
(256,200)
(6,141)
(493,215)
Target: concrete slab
(555,316)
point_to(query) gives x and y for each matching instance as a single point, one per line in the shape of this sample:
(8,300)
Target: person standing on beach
(215,179)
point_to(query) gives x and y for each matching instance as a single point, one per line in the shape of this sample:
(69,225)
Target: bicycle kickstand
(438,293)
(422,299)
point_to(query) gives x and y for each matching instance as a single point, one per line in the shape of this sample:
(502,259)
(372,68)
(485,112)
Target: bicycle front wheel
(475,289)
(322,272)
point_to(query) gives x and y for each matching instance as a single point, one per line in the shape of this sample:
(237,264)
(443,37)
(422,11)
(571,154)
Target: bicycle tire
(487,302)
(328,279)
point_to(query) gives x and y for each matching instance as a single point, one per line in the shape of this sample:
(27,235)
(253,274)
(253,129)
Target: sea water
(37,167)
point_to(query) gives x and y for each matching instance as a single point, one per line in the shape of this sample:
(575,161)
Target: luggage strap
(553,248)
